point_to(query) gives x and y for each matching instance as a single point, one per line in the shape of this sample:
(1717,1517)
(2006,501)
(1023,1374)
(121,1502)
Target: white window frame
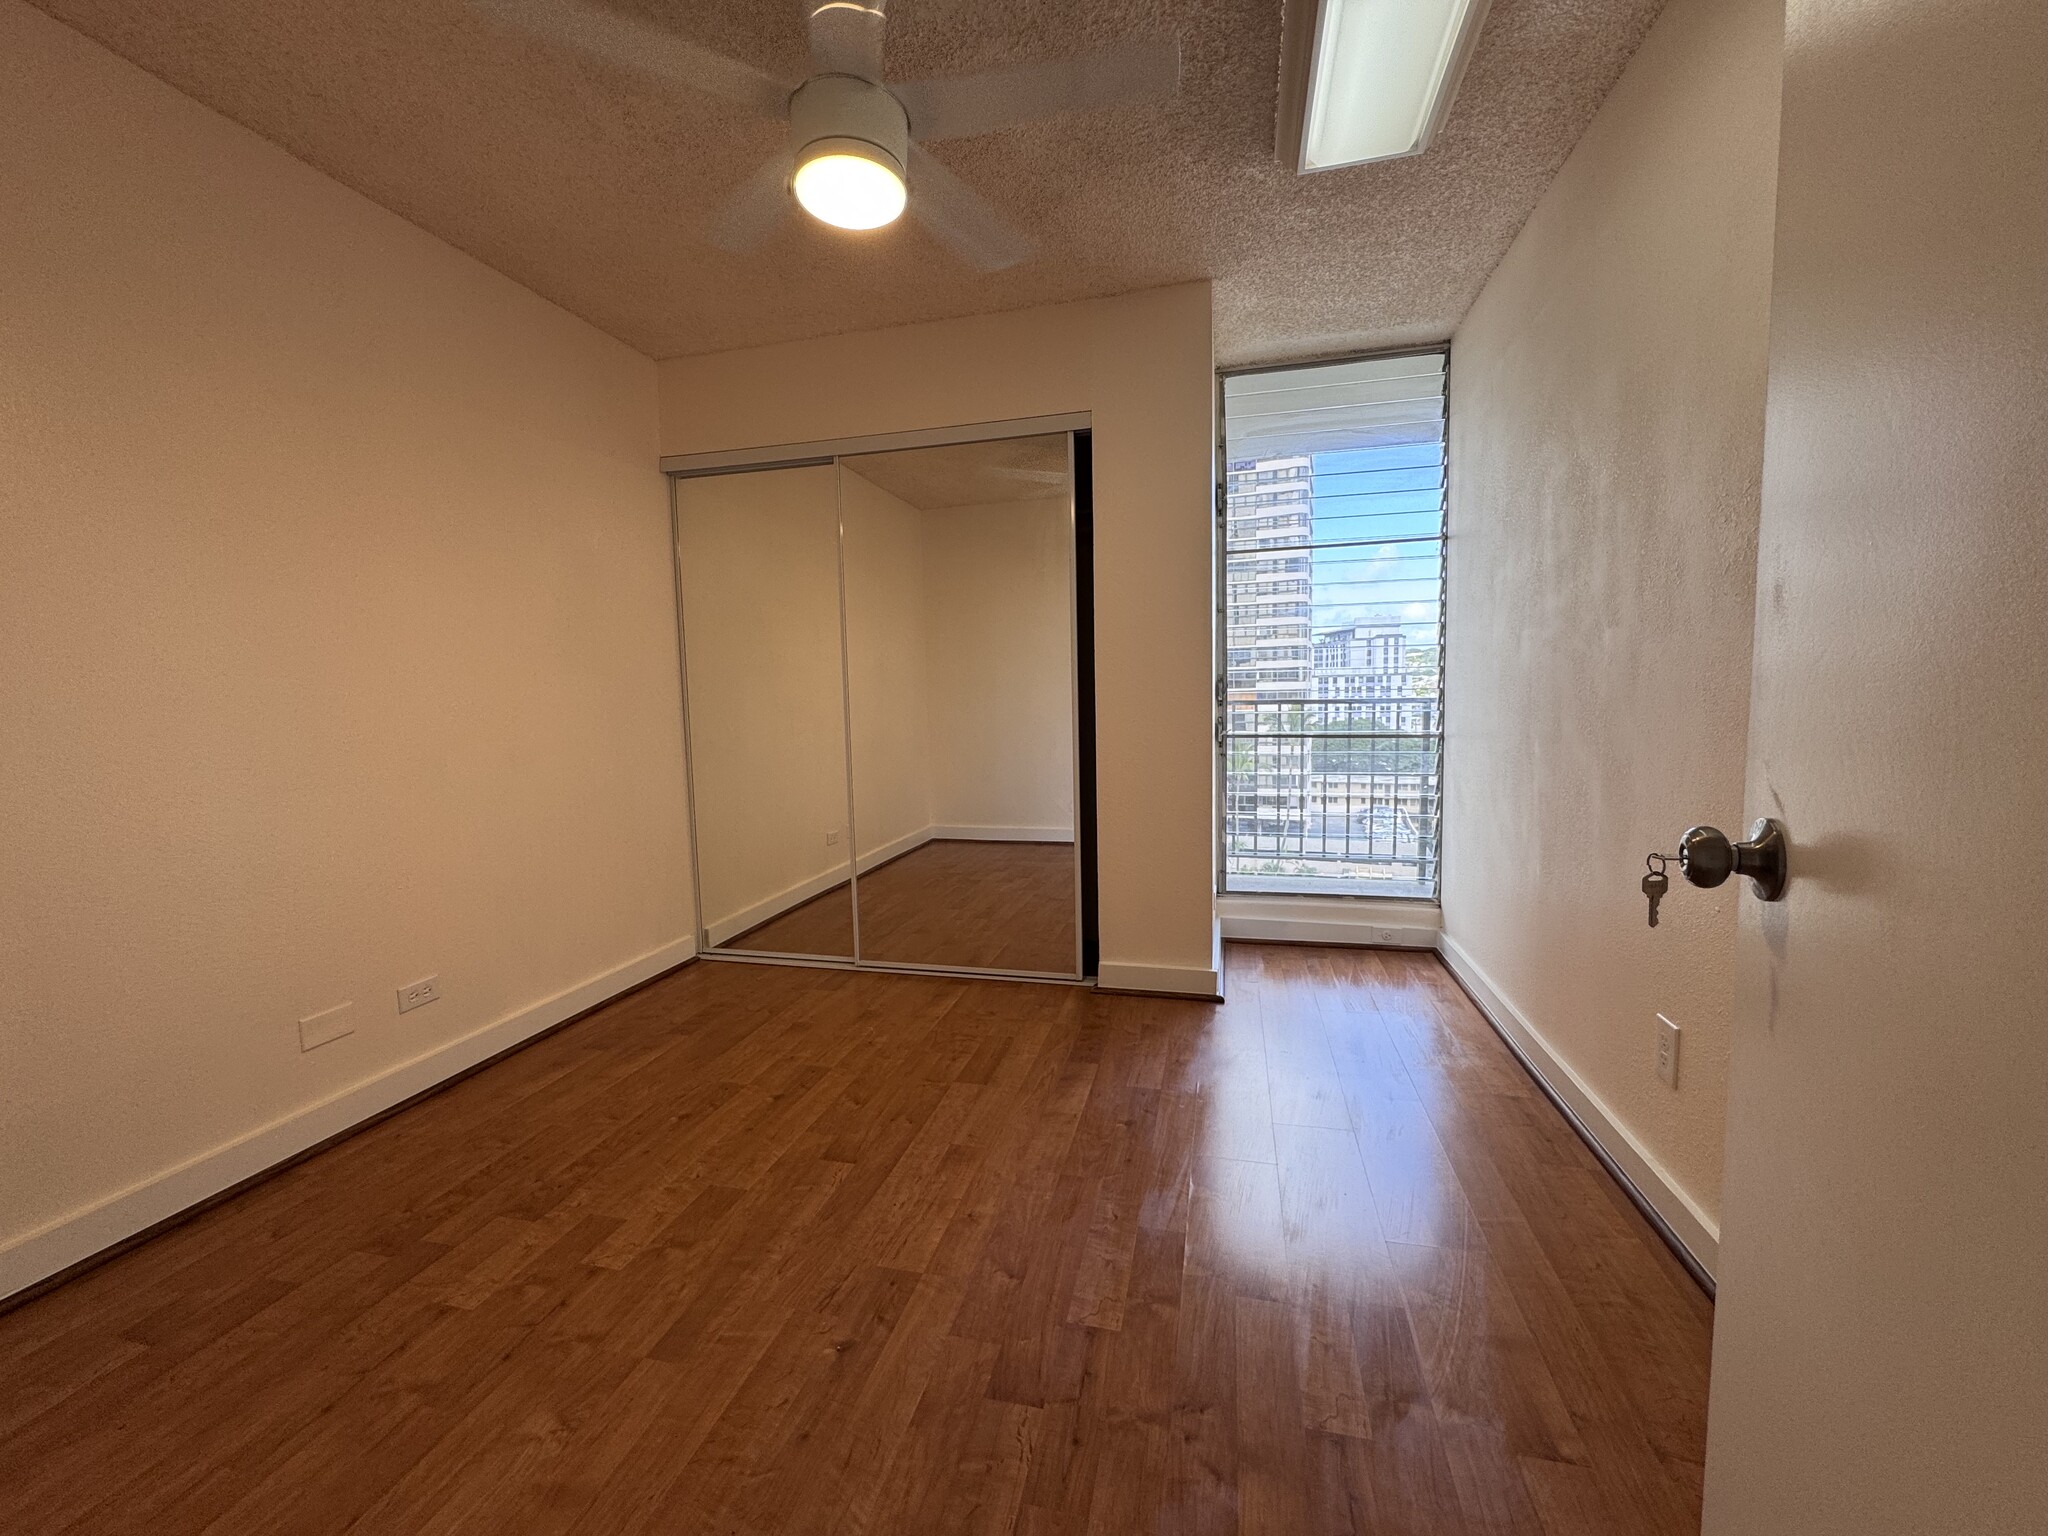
(1223,736)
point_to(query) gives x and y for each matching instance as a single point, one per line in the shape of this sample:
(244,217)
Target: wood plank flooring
(987,905)
(762,1249)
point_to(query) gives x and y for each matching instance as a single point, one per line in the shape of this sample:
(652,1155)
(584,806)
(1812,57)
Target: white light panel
(1382,75)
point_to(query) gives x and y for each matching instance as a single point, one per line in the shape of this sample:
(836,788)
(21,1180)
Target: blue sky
(1381,492)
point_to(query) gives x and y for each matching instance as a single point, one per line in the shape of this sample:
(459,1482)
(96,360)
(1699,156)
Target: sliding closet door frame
(691,466)
(1074,696)
(798,455)
(675,567)
(846,703)
(1081,492)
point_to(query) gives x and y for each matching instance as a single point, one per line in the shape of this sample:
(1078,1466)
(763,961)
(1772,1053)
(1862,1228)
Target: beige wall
(1606,441)
(759,561)
(999,584)
(1881,1340)
(336,649)
(1142,364)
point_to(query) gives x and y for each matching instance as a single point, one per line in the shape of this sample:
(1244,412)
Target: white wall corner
(55,1247)
(1697,1232)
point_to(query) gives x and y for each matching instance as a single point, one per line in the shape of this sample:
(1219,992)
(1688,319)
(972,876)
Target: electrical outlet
(316,1029)
(1667,1051)
(417,994)
(1383,935)
(832,838)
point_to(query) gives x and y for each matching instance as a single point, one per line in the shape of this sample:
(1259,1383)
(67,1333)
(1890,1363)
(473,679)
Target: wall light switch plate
(316,1029)
(417,994)
(1667,1051)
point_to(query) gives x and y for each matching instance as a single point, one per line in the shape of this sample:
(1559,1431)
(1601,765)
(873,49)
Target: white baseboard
(979,834)
(57,1246)
(1166,980)
(895,848)
(1698,1233)
(1356,920)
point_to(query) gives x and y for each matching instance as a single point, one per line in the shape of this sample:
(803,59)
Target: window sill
(1398,922)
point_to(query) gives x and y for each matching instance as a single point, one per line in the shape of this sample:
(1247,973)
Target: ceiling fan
(855,157)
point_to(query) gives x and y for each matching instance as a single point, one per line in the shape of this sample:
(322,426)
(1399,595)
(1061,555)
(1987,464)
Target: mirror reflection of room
(758,571)
(960,669)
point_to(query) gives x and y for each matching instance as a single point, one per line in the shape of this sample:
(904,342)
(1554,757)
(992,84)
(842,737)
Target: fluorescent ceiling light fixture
(849,183)
(1380,75)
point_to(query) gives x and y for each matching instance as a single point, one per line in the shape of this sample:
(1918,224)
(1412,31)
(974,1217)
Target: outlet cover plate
(417,994)
(1667,1051)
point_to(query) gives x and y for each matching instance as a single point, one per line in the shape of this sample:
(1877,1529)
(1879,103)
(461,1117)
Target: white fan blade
(960,217)
(960,108)
(751,213)
(846,37)
(631,44)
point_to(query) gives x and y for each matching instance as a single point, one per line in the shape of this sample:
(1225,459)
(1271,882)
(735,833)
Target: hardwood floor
(988,905)
(822,926)
(761,1249)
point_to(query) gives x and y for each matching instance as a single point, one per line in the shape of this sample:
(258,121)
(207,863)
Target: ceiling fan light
(849,183)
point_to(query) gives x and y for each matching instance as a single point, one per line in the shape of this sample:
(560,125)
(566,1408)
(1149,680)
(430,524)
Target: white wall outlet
(832,838)
(316,1029)
(1383,935)
(1667,1051)
(417,994)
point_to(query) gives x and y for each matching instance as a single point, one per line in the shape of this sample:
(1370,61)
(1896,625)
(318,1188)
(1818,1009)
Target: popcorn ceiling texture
(591,186)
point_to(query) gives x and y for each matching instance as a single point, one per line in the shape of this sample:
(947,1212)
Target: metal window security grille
(1331,725)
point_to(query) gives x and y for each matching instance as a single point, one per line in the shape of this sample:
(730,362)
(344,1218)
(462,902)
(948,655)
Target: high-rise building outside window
(1333,529)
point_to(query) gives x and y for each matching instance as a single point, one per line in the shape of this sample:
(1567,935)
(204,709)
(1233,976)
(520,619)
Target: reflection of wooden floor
(804,1251)
(1004,906)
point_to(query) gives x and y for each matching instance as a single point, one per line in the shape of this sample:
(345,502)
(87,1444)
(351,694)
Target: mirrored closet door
(757,561)
(880,682)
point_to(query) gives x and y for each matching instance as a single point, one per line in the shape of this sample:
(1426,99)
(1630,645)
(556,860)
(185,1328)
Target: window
(1333,531)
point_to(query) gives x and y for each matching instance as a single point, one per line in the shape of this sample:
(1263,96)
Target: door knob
(1707,858)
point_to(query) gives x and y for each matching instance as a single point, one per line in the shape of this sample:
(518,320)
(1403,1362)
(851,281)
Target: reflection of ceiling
(969,474)
(592,186)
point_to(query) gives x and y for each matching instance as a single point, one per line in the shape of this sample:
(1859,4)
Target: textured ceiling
(969,474)
(592,186)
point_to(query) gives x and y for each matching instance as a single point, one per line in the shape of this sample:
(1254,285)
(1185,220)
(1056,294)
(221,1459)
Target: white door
(1881,1341)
